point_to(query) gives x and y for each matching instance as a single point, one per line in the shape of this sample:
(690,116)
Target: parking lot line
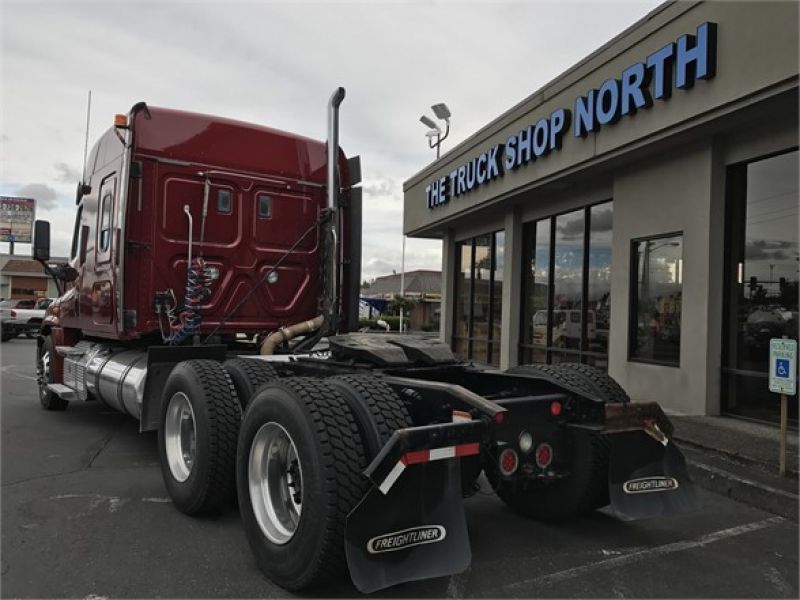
(625,559)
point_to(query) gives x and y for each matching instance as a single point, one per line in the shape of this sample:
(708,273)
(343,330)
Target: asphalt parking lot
(85,514)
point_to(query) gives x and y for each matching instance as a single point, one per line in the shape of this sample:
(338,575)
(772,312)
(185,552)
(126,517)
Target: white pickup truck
(22,316)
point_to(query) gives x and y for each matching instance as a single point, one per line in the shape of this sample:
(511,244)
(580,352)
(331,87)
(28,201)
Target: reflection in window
(598,313)
(657,297)
(564,317)
(566,324)
(478,298)
(762,276)
(536,279)
(463,295)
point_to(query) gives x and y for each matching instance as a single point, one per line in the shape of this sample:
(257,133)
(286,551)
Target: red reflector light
(418,456)
(509,461)
(555,408)
(500,417)
(544,455)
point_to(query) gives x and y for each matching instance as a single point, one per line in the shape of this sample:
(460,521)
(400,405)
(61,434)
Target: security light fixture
(428,122)
(443,114)
(441,111)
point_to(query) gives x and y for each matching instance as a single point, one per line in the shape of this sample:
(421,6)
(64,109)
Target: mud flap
(416,531)
(648,478)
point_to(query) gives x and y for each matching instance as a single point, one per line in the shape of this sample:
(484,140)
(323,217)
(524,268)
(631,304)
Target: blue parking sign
(782,366)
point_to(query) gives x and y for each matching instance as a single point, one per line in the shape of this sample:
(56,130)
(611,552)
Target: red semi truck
(345,451)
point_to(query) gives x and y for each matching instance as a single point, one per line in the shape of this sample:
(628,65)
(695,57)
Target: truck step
(62,391)
(71,350)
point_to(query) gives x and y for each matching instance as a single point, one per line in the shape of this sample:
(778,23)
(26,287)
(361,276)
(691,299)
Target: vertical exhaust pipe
(327,322)
(334,226)
(333,147)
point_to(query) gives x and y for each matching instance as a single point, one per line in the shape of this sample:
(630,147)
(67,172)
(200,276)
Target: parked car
(22,317)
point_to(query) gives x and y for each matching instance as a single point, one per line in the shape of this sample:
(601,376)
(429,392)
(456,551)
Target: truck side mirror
(82,190)
(41,241)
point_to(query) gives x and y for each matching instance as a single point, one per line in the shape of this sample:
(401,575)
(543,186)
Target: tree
(398,302)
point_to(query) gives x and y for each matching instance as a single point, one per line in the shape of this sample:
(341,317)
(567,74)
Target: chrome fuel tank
(116,376)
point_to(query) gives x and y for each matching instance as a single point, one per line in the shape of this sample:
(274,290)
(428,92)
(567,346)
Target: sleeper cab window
(264,202)
(105,222)
(224,201)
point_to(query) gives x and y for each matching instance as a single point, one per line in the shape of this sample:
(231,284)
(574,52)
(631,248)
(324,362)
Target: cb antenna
(86,141)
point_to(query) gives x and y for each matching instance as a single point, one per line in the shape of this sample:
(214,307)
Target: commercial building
(25,279)
(638,213)
(422,287)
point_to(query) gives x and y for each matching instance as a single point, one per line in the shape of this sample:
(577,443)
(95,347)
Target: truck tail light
(509,461)
(13,314)
(544,455)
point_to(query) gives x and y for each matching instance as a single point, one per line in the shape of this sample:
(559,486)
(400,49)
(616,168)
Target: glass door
(761,280)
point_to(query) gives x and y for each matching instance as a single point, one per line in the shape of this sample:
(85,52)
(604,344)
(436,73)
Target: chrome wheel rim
(275,479)
(44,374)
(180,436)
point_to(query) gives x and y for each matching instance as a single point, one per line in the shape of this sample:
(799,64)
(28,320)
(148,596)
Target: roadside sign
(783,366)
(16,219)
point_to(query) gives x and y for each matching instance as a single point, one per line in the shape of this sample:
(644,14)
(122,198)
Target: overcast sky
(276,63)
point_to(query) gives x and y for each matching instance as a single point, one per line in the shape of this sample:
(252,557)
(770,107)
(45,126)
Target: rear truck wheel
(377,408)
(249,374)
(586,487)
(298,474)
(44,375)
(6,334)
(580,378)
(604,384)
(200,417)
(583,490)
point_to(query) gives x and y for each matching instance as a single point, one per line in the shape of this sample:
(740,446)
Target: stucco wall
(660,196)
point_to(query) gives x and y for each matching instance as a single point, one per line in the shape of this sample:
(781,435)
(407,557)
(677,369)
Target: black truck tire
(6,334)
(584,490)
(377,408)
(199,393)
(583,379)
(249,374)
(604,384)
(44,375)
(312,426)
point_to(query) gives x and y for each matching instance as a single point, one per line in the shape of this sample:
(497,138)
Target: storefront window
(762,279)
(567,287)
(463,299)
(655,328)
(598,314)
(478,298)
(536,282)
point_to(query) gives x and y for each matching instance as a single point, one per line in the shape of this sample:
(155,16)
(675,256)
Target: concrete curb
(747,485)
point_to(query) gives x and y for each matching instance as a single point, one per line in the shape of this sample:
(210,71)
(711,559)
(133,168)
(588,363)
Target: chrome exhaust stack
(334,225)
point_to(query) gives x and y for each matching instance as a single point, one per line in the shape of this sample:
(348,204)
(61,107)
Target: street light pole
(402,285)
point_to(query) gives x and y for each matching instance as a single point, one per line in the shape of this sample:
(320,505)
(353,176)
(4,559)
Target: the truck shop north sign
(689,58)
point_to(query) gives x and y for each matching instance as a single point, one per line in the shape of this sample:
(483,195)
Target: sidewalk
(739,459)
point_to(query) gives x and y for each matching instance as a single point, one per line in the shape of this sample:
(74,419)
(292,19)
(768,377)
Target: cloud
(602,220)
(287,63)
(382,187)
(66,173)
(770,250)
(45,196)
(572,229)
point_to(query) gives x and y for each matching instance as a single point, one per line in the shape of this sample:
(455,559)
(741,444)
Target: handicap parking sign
(782,366)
